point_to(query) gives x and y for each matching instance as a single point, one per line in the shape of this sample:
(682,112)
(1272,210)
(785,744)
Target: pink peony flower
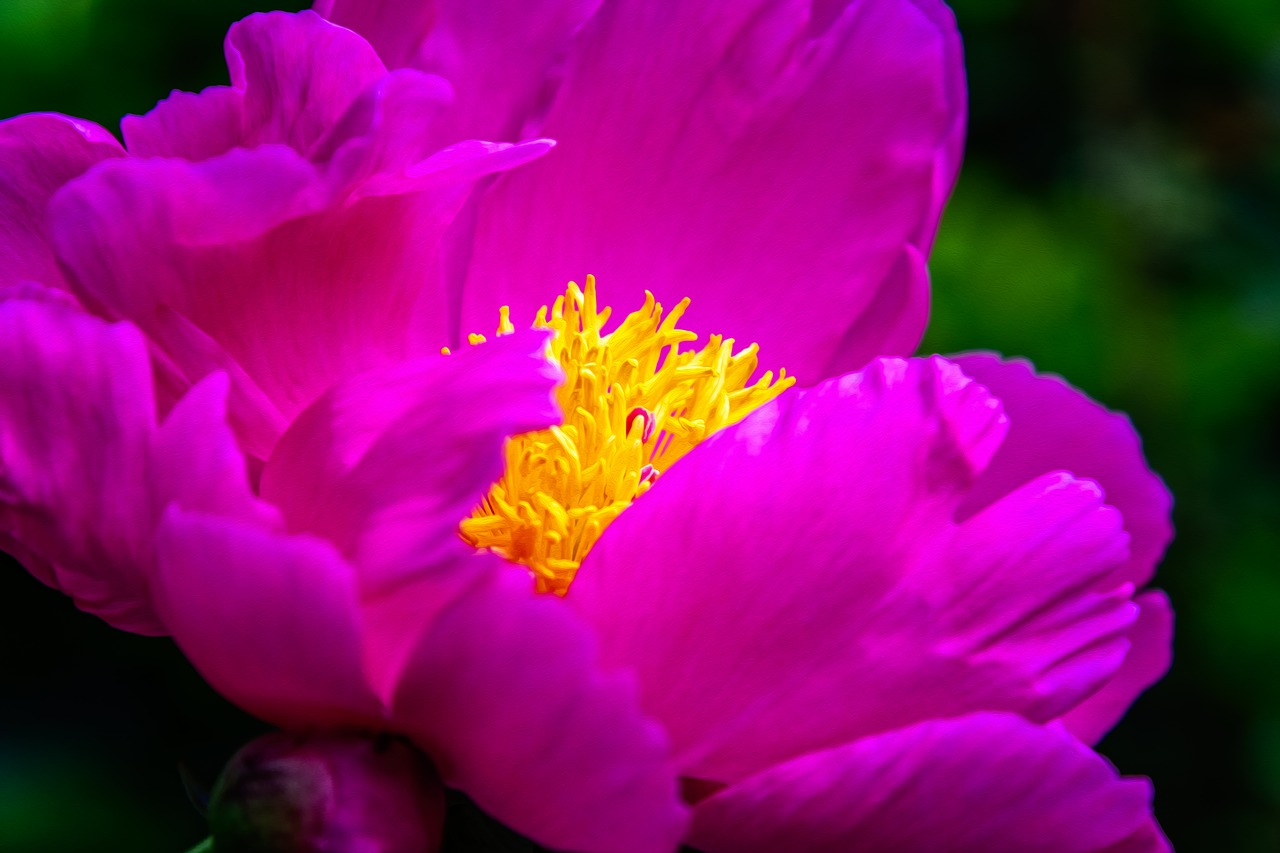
(876,613)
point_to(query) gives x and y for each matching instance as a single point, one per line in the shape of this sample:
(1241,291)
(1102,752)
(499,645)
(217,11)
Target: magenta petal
(197,464)
(292,77)
(806,564)
(271,621)
(299,73)
(987,783)
(1055,426)
(1146,663)
(187,125)
(38,154)
(84,471)
(394,27)
(500,57)
(503,59)
(772,168)
(76,414)
(504,691)
(246,249)
(387,464)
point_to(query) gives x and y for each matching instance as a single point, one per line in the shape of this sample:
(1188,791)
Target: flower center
(633,404)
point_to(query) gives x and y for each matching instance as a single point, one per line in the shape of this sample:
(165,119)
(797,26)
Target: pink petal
(292,77)
(38,154)
(502,58)
(1146,663)
(84,471)
(197,464)
(1055,427)
(387,464)
(986,783)
(191,126)
(502,688)
(774,169)
(270,621)
(76,413)
(299,74)
(806,565)
(299,81)
(394,27)
(244,255)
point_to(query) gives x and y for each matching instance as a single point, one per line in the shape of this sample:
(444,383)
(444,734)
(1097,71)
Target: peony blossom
(885,610)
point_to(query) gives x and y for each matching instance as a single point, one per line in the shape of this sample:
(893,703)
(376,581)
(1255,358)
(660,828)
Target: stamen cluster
(633,404)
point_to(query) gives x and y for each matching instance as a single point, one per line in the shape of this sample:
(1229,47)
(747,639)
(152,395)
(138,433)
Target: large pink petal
(774,168)
(503,689)
(387,464)
(244,252)
(1147,661)
(987,783)
(805,565)
(84,471)
(1055,426)
(271,621)
(38,154)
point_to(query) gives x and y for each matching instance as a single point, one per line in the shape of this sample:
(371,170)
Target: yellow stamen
(633,404)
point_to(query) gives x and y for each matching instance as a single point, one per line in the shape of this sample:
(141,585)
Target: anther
(649,422)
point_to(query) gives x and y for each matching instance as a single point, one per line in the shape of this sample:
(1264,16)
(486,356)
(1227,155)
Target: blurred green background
(1117,221)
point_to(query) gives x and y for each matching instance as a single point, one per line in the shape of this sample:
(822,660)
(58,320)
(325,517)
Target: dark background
(1117,221)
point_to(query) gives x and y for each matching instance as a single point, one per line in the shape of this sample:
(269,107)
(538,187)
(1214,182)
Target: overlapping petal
(270,620)
(455,645)
(502,58)
(1146,662)
(385,465)
(294,263)
(38,154)
(806,565)
(292,78)
(1056,427)
(505,690)
(985,783)
(777,169)
(85,469)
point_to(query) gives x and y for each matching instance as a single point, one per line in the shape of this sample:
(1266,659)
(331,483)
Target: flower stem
(205,846)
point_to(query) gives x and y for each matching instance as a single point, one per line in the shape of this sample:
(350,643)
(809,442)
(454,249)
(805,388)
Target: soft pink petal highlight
(987,783)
